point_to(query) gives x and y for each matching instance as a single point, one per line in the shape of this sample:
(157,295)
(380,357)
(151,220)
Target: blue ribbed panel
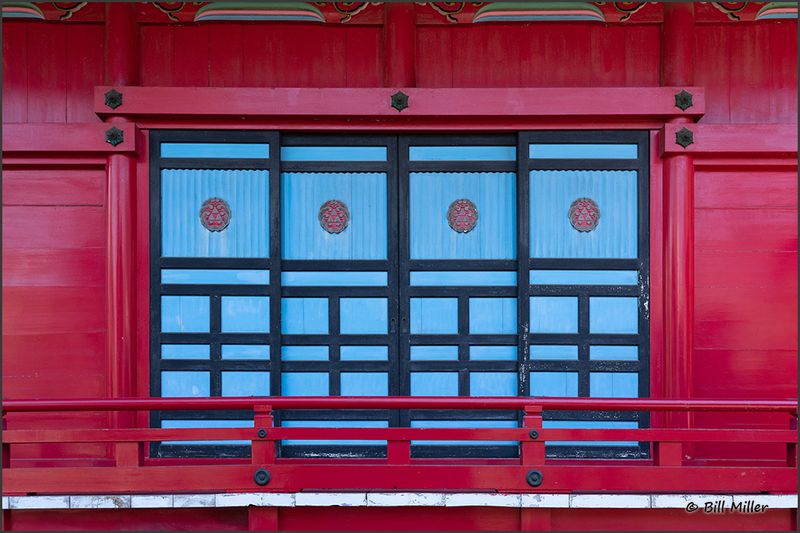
(304,353)
(363,353)
(494,195)
(462,153)
(186,276)
(493,353)
(583,151)
(613,315)
(554,384)
(185,351)
(304,315)
(550,352)
(245,351)
(493,384)
(552,193)
(365,196)
(245,314)
(614,353)
(614,384)
(217,150)
(434,384)
(185,384)
(333,424)
(334,279)
(245,383)
(364,384)
(434,315)
(584,277)
(182,195)
(185,314)
(333,153)
(434,278)
(304,383)
(554,314)
(434,353)
(492,315)
(363,316)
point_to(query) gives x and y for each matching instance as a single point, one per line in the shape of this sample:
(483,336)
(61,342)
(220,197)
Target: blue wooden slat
(364,353)
(333,153)
(334,279)
(185,351)
(589,424)
(216,150)
(434,384)
(304,353)
(462,153)
(182,195)
(562,384)
(334,424)
(494,195)
(365,195)
(434,315)
(185,314)
(186,276)
(304,315)
(245,351)
(613,315)
(614,384)
(463,278)
(493,383)
(550,352)
(493,353)
(304,383)
(245,314)
(185,384)
(552,193)
(364,383)
(614,353)
(363,316)
(492,315)
(583,151)
(554,314)
(245,383)
(584,277)
(434,353)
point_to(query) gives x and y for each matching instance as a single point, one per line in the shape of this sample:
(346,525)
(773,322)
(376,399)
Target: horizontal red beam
(733,139)
(25,436)
(27,139)
(355,103)
(376,477)
(399,402)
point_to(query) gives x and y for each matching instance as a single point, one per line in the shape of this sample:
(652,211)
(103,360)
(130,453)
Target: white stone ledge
(395,499)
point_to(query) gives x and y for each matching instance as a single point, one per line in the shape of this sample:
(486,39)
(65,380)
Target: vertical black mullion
(403,275)
(155,278)
(275,253)
(583,343)
(393,255)
(643,182)
(523,265)
(216,356)
(334,383)
(463,346)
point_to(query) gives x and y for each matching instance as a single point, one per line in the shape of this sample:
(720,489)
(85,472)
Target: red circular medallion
(584,214)
(462,215)
(334,217)
(215,215)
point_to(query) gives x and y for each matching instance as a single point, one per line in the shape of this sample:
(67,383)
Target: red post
(121,69)
(398,452)
(263,448)
(532,450)
(668,453)
(678,70)
(399,44)
(791,448)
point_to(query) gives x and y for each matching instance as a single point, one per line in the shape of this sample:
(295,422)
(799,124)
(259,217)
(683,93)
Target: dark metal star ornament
(399,100)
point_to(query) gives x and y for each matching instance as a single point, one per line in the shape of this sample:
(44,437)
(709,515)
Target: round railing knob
(534,478)
(261,477)
(262,433)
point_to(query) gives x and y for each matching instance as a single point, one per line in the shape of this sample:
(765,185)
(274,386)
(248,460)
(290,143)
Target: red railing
(667,469)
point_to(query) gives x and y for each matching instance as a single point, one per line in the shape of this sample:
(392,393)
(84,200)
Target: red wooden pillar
(399,44)
(678,70)
(121,69)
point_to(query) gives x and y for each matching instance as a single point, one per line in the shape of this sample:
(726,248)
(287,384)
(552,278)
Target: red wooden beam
(398,402)
(713,140)
(617,103)
(66,139)
(376,477)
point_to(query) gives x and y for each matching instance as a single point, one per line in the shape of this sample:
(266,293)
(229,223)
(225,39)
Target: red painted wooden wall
(53,219)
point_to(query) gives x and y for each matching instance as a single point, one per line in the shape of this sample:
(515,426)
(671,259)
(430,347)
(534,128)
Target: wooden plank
(26,139)
(53,187)
(85,43)
(39,310)
(190,56)
(732,189)
(746,269)
(32,353)
(47,73)
(225,55)
(156,60)
(745,373)
(729,139)
(54,267)
(362,48)
(53,227)
(712,70)
(737,334)
(642,52)
(15,71)
(618,102)
(746,229)
(434,56)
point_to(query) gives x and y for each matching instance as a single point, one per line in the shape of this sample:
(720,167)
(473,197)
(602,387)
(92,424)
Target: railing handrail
(398,402)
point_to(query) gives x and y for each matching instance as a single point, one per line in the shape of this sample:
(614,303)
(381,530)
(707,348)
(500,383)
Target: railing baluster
(263,448)
(6,447)
(398,452)
(791,448)
(129,453)
(532,450)
(668,453)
